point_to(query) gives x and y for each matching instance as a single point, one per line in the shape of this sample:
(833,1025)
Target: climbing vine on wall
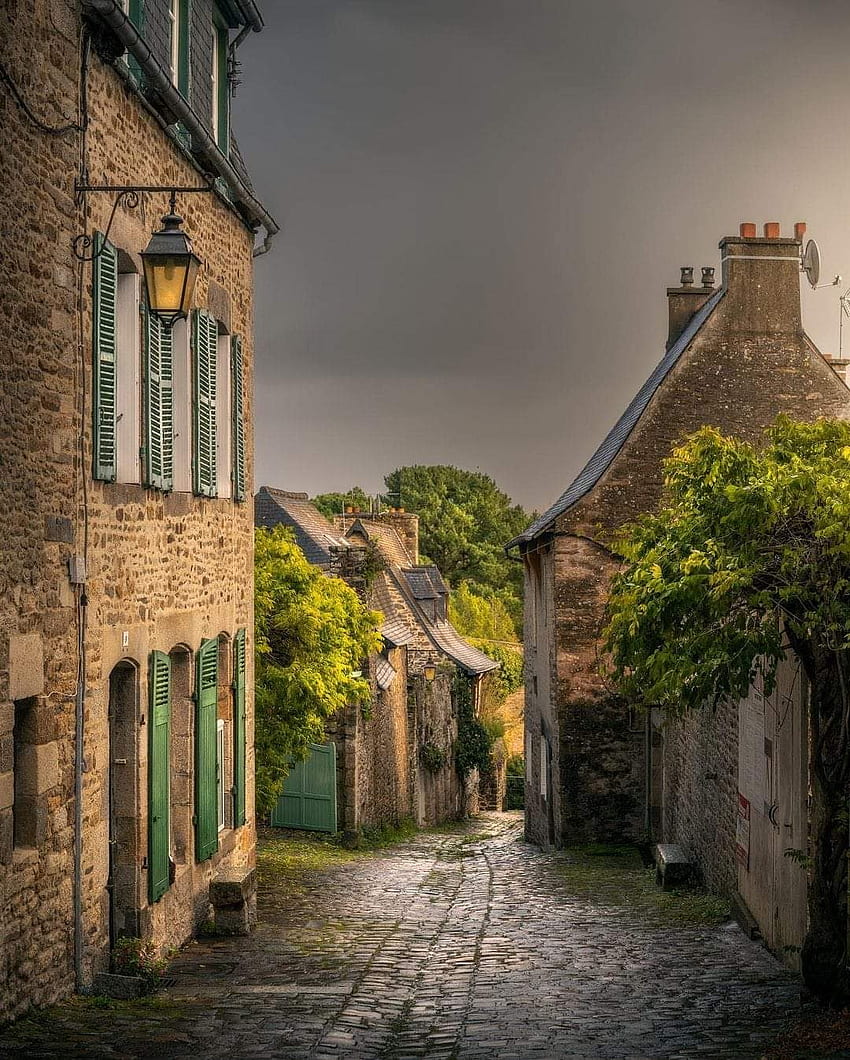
(474,743)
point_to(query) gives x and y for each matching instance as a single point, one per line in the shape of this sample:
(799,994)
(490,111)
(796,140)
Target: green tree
(754,542)
(464,522)
(480,617)
(312,637)
(331,504)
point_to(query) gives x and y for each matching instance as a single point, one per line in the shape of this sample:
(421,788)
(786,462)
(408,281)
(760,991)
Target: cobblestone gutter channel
(462,945)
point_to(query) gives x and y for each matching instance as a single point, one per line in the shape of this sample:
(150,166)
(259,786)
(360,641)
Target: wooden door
(309,793)
(773,816)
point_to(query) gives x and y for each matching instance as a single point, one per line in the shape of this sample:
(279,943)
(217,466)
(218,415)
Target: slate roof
(386,539)
(421,583)
(619,433)
(385,674)
(395,632)
(451,643)
(315,535)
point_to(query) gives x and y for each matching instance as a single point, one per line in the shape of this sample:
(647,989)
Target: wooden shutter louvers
(204,349)
(206,757)
(104,366)
(159,744)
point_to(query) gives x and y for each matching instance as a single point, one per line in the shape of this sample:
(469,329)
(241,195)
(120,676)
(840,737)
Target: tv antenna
(843,311)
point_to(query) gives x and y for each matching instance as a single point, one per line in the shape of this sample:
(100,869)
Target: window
(544,767)
(220,125)
(204,391)
(178,18)
(128,382)
(181,396)
(219,775)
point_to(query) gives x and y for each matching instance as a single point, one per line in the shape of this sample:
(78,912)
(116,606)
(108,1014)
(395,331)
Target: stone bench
(233,896)
(672,865)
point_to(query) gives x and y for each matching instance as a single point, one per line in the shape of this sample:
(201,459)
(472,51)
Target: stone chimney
(761,275)
(685,300)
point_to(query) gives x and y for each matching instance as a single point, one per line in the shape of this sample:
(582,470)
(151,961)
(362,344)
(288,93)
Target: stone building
(736,357)
(126,676)
(399,761)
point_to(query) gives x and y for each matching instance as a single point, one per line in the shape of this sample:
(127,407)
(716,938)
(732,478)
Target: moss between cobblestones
(615,877)
(82,1017)
(285,856)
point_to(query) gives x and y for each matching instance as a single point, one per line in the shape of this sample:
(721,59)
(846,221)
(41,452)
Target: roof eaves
(619,434)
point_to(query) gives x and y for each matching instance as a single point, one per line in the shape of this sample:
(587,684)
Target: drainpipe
(112,15)
(647,819)
(79,767)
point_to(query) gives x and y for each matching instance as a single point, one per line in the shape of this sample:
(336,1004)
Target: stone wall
(700,791)
(163,572)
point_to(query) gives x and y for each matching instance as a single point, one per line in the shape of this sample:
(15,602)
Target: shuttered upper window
(206,751)
(159,403)
(105,309)
(204,358)
(237,382)
(239,729)
(159,791)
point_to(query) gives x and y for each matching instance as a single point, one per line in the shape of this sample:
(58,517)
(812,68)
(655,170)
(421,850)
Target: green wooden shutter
(159,724)
(206,715)
(105,282)
(159,404)
(237,376)
(240,728)
(204,350)
(136,15)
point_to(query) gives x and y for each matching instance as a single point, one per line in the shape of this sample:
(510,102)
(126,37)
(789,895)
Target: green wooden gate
(309,793)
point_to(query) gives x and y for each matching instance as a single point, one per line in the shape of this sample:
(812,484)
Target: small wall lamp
(430,671)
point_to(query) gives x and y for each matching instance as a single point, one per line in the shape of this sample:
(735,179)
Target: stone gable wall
(750,362)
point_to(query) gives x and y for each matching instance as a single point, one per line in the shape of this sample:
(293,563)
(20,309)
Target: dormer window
(178,17)
(220,124)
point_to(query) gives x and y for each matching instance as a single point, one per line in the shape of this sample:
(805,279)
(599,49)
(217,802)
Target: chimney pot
(771,230)
(687,275)
(708,275)
(748,230)
(799,231)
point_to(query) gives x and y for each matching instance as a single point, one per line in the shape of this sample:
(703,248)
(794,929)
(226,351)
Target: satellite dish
(811,262)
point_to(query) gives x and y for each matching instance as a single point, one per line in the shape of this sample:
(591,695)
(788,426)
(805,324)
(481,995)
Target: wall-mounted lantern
(430,671)
(169,263)
(171,269)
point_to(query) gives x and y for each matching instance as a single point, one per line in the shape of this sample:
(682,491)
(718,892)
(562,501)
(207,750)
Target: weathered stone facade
(736,358)
(153,571)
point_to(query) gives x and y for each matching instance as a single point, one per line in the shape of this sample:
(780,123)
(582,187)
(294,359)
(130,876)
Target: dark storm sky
(482,204)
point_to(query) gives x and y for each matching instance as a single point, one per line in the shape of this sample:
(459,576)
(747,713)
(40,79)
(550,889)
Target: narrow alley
(461,943)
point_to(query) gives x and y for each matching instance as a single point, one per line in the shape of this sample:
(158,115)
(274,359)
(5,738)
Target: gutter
(111,14)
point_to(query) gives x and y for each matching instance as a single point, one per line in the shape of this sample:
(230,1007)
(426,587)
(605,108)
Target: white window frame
(544,770)
(128,383)
(221,744)
(223,418)
(181,389)
(174,20)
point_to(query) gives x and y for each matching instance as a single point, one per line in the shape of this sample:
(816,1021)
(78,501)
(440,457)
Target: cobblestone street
(461,944)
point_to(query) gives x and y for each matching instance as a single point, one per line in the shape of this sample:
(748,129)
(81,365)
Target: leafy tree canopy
(754,543)
(480,617)
(313,635)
